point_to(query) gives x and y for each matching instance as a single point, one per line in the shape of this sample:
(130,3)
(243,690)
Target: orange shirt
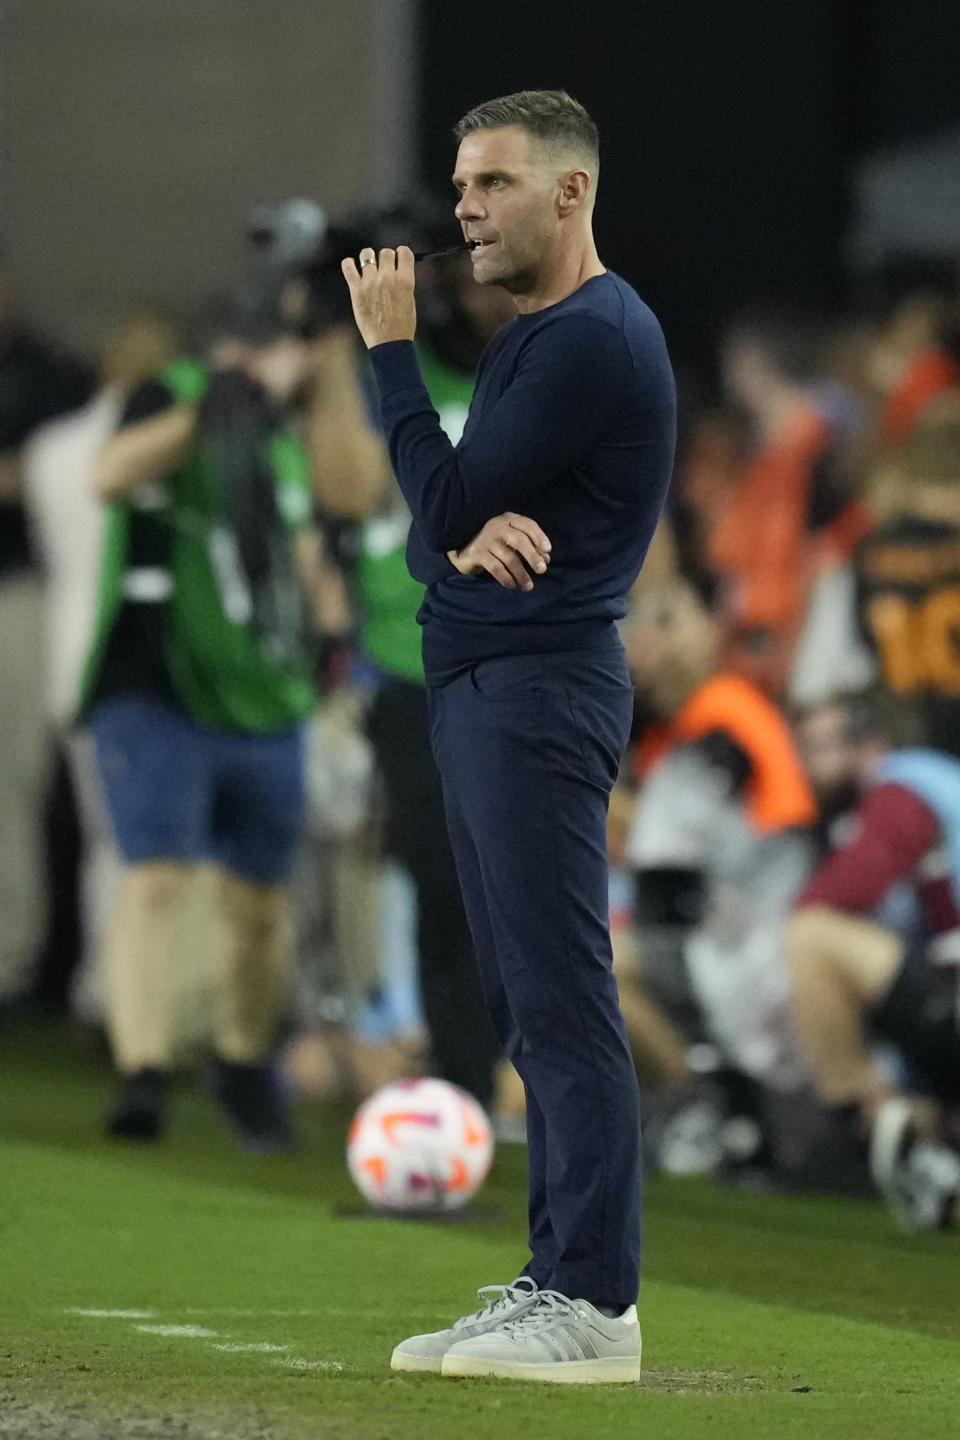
(760,548)
(778,793)
(928,375)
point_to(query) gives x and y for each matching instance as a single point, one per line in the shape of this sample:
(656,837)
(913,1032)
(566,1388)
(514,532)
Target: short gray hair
(552,116)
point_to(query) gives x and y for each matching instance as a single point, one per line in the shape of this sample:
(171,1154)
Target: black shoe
(252,1098)
(140,1113)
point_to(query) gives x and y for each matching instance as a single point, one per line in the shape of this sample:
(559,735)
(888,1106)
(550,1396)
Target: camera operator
(355,484)
(197,687)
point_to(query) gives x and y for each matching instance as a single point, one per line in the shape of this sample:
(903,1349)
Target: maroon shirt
(896,838)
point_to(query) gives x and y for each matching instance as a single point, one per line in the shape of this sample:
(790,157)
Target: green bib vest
(389,596)
(221,670)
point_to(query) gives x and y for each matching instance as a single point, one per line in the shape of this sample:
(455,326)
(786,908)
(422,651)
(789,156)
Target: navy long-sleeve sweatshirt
(572,423)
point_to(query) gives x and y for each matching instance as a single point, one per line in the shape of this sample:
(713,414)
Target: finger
(499,572)
(388,259)
(350,272)
(530,528)
(368,261)
(405,264)
(511,561)
(532,556)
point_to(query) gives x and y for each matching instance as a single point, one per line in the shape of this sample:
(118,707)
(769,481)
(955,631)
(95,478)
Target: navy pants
(528,749)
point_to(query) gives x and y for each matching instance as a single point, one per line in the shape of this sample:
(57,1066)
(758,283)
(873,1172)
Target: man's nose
(468,206)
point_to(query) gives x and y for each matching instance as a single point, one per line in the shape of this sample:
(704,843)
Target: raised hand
(381,290)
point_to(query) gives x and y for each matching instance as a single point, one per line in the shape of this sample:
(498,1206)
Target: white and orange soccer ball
(420,1145)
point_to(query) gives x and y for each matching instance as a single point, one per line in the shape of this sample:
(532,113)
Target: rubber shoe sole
(402,1360)
(425,1352)
(611,1370)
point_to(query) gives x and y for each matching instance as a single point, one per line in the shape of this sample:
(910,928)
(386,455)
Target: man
(67,523)
(910,364)
(855,956)
(718,842)
(196,688)
(764,541)
(36,384)
(460,317)
(572,420)
(908,571)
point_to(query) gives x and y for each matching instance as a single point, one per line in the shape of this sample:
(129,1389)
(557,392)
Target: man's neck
(561,278)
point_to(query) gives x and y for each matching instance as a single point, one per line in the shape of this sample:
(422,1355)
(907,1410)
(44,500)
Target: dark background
(730,131)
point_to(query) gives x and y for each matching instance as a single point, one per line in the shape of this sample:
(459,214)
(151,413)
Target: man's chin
(484,269)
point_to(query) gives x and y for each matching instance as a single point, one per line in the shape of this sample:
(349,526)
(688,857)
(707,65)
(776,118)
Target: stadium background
(732,135)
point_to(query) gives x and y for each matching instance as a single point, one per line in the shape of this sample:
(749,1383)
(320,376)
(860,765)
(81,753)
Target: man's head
(672,641)
(922,476)
(282,365)
(842,740)
(257,329)
(526,174)
(915,322)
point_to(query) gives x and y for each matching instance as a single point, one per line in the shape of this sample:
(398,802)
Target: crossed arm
(511,548)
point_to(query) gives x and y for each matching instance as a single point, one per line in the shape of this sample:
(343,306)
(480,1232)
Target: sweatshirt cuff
(396,366)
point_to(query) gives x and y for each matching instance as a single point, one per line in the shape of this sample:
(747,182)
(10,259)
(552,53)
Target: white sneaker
(501,1303)
(919,1179)
(555,1339)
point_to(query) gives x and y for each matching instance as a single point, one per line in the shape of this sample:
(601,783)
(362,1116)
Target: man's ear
(574,191)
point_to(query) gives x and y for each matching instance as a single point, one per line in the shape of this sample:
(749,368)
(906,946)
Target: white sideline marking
(232,1314)
(232,1347)
(238,1347)
(310,1364)
(329,1311)
(189,1332)
(109,1314)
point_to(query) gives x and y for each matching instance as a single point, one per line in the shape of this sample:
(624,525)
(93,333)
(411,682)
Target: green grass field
(263,1312)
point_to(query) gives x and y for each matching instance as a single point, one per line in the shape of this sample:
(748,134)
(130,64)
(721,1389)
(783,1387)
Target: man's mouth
(477,246)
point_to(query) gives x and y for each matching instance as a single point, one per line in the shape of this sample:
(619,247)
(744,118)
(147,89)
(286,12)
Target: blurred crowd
(785,839)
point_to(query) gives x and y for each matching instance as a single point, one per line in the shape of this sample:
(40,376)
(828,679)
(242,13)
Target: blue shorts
(178,790)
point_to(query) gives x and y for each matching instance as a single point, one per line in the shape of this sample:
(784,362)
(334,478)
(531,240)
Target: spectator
(457,318)
(67,522)
(761,543)
(196,689)
(718,843)
(873,946)
(908,571)
(910,364)
(36,383)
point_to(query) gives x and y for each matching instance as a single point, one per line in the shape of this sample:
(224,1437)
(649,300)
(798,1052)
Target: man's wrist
(395,358)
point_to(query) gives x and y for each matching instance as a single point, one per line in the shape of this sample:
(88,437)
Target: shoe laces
(550,1306)
(498,1297)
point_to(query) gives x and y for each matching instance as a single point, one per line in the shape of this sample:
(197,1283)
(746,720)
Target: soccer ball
(421,1145)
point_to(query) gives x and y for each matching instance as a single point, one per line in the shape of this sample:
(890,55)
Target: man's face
(281,367)
(831,760)
(509,187)
(671,643)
